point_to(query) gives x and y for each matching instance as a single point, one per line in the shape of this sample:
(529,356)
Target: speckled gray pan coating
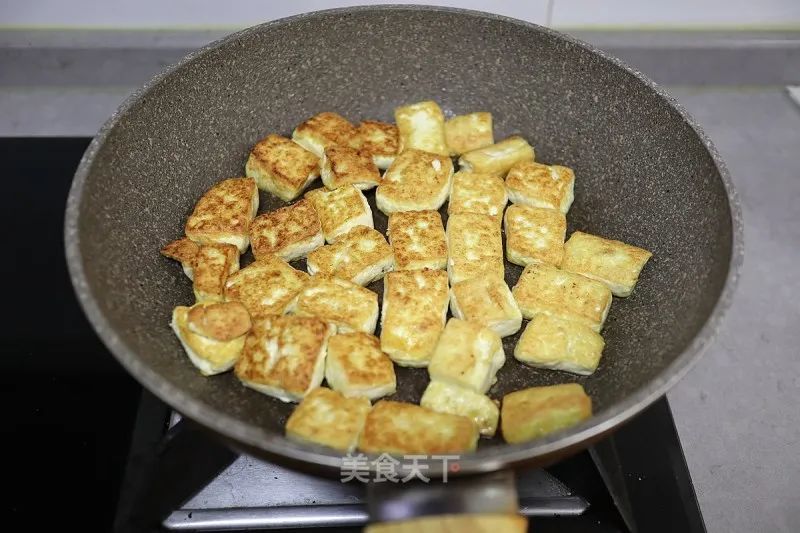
(645,175)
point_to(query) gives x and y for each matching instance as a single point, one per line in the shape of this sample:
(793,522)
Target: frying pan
(646,175)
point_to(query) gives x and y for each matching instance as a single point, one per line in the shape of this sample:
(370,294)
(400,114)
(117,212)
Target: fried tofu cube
(447,398)
(532,413)
(346,305)
(356,366)
(327,418)
(265,287)
(282,167)
(472,523)
(416,181)
(342,165)
(340,210)
(417,239)
(488,301)
(558,344)
(184,251)
(379,139)
(484,194)
(223,214)
(222,321)
(421,127)
(534,234)
(469,132)
(211,267)
(289,232)
(361,255)
(497,158)
(404,428)
(467,355)
(543,288)
(213,335)
(413,315)
(284,356)
(322,131)
(537,185)
(614,263)
(474,247)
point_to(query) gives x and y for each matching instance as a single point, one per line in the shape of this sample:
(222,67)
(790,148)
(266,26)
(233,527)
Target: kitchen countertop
(736,412)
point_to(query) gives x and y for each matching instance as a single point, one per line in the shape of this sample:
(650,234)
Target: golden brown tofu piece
(405,428)
(379,139)
(224,212)
(290,232)
(282,167)
(484,194)
(468,523)
(342,165)
(543,288)
(417,239)
(265,287)
(445,397)
(467,355)
(532,413)
(474,247)
(497,158)
(323,130)
(213,335)
(413,315)
(488,301)
(223,321)
(346,305)
(421,127)
(356,366)
(361,255)
(211,267)
(416,181)
(614,263)
(537,185)
(284,356)
(534,235)
(469,132)
(327,418)
(558,344)
(340,210)
(182,250)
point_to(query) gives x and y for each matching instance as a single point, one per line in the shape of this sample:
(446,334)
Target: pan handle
(476,503)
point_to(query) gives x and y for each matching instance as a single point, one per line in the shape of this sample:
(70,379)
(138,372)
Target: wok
(646,174)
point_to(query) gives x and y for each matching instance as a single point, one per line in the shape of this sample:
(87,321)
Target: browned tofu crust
(265,287)
(226,209)
(376,138)
(284,162)
(418,240)
(276,231)
(282,352)
(326,417)
(404,428)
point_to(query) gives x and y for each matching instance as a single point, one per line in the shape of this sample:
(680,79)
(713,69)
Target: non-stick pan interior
(643,176)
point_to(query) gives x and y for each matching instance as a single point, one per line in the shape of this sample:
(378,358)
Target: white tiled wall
(560,13)
(175,13)
(677,13)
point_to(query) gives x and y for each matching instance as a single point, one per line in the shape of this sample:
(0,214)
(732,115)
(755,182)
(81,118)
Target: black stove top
(72,426)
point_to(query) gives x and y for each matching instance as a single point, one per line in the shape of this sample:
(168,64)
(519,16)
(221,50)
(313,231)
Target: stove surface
(652,490)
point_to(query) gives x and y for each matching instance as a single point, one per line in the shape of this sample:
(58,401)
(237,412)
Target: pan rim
(280,448)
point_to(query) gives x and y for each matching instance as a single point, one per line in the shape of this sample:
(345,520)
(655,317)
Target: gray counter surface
(737,411)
